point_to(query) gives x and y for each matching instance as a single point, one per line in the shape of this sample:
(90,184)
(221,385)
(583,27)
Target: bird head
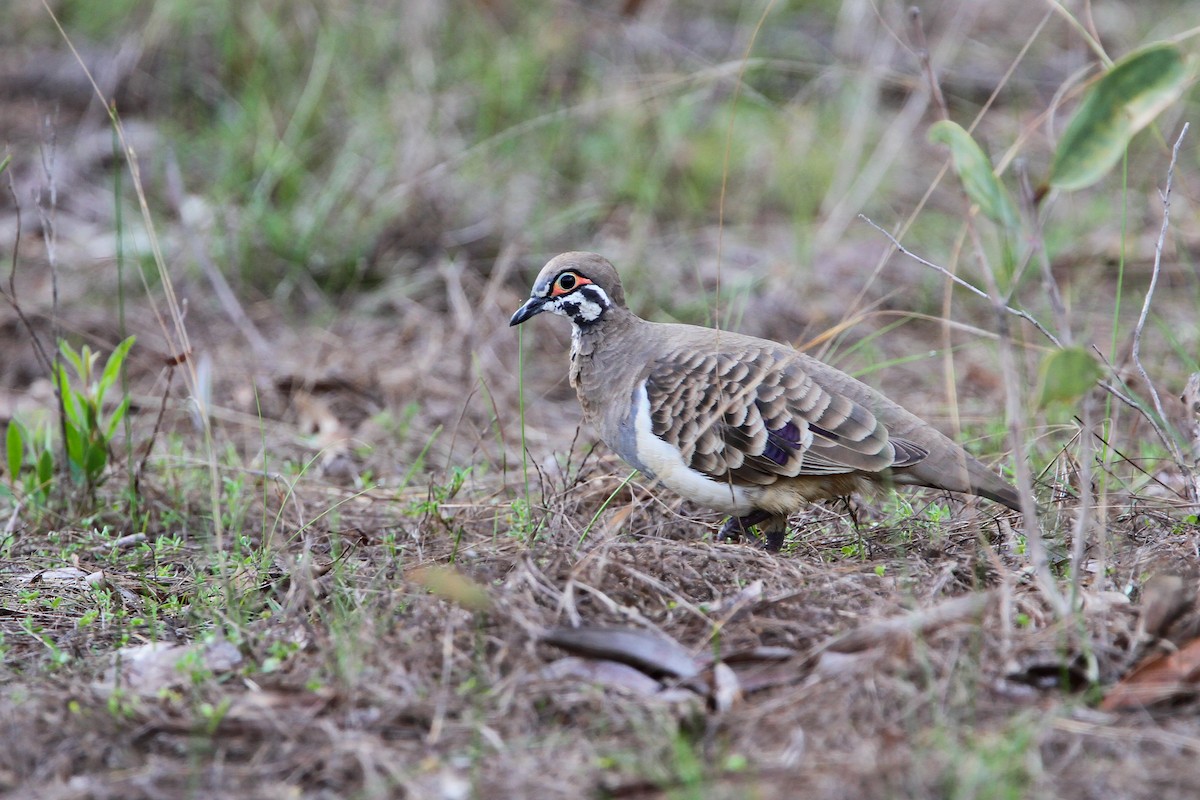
(578,286)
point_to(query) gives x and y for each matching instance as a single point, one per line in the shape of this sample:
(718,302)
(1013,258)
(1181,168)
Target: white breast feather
(668,466)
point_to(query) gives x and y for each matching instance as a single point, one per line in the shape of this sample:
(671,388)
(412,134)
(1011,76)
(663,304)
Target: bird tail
(957,471)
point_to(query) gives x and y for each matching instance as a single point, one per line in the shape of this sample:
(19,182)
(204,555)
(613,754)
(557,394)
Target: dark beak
(533,306)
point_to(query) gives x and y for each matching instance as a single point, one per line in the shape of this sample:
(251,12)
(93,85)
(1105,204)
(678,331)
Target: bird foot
(735,527)
(773,540)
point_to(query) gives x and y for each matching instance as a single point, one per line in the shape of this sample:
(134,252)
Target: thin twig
(1131,401)
(1058,308)
(922,46)
(1141,323)
(1191,401)
(38,348)
(917,25)
(1079,531)
(11,526)
(220,286)
(50,237)
(968,286)
(1015,414)
(162,409)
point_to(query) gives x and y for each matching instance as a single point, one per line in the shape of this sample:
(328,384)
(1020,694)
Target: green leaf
(112,368)
(1122,102)
(976,173)
(45,471)
(74,358)
(1066,375)
(117,415)
(75,445)
(70,398)
(14,441)
(94,461)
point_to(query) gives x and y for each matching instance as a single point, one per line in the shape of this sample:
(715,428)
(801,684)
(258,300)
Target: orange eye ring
(567,282)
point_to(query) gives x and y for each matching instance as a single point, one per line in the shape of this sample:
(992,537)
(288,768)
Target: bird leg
(773,533)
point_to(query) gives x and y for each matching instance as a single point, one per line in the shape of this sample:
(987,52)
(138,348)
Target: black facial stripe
(585,305)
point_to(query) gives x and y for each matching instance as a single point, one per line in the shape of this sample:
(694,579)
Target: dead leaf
(1164,599)
(450,584)
(613,524)
(148,669)
(1156,679)
(609,674)
(59,576)
(652,653)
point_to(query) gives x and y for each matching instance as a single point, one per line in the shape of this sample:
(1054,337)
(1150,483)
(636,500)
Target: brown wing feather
(752,414)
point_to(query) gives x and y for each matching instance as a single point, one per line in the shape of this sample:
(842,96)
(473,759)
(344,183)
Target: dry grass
(369,623)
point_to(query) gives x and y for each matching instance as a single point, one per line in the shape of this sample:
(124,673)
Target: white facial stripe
(584,305)
(585,309)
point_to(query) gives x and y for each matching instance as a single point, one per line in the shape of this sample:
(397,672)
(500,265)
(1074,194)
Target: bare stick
(38,349)
(1054,340)
(1141,323)
(50,236)
(1130,401)
(1038,556)
(1079,531)
(1016,312)
(11,525)
(1191,399)
(162,409)
(918,35)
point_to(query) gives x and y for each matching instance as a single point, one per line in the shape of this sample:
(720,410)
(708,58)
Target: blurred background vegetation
(337,145)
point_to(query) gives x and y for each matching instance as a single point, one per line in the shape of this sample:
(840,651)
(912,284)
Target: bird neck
(597,353)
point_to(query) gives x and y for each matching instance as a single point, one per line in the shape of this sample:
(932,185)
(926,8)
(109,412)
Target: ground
(354,540)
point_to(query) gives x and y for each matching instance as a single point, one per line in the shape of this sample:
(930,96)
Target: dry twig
(1141,323)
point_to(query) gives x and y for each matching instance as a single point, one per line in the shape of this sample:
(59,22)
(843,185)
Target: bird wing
(751,414)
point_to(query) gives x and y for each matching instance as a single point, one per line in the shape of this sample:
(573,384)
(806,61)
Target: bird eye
(566,282)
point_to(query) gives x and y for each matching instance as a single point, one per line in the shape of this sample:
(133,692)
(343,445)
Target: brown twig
(1054,340)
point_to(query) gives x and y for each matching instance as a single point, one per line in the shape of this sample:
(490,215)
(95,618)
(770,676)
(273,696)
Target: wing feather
(752,414)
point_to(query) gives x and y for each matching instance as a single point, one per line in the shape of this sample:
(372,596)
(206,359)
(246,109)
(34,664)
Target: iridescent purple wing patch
(782,443)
